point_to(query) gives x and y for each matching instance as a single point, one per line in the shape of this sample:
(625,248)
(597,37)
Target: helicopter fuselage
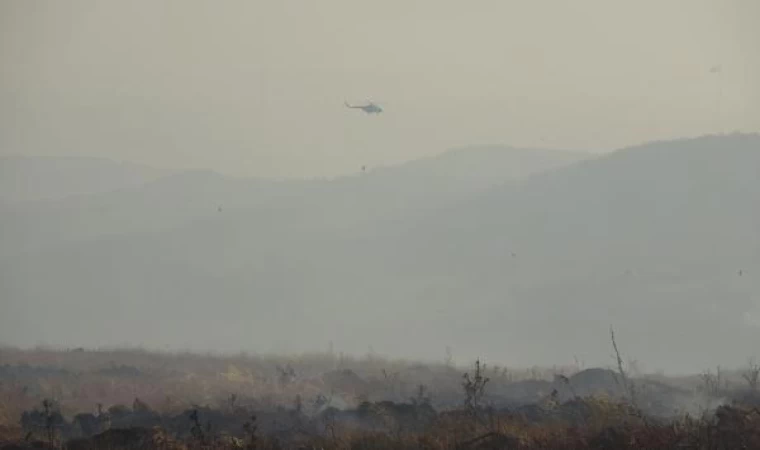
(369,108)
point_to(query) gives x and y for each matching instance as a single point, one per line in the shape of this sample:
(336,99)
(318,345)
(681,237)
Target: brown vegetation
(135,399)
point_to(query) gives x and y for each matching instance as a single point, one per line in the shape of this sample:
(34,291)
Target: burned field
(136,399)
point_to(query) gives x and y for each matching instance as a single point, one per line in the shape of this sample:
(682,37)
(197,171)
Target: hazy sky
(257,87)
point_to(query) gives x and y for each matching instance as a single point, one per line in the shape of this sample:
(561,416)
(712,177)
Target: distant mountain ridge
(139,200)
(33,178)
(29,178)
(650,239)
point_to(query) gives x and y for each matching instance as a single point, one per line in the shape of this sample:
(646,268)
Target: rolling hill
(24,178)
(125,199)
(660,240)
(652,239)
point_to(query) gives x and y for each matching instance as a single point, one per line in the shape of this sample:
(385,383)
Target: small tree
(628,386)
(752,374)
(391,381)
(50,420)
(286,375)
(474,388)
(448,360)
(250,429)
(422,397)
(197,431)
(711,382)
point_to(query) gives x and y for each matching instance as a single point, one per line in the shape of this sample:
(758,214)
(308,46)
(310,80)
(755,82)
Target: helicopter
(369,108)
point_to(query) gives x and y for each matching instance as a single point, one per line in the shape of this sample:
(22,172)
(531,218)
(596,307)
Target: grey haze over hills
(651,239)
(27,178)
(129,198)
(193,239)
(526,267)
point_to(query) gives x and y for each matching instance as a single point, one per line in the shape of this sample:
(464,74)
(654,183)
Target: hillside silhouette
(651,239)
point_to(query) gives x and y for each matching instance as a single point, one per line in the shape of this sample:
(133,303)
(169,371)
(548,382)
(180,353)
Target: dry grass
(288,391)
